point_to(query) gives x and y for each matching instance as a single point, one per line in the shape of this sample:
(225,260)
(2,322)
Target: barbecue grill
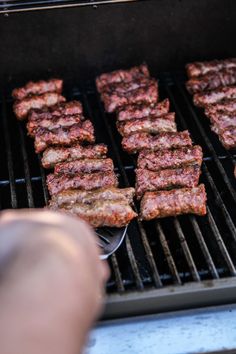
(169,264)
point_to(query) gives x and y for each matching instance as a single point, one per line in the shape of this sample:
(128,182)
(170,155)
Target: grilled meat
(142,110)
(205,98)
(227,137)
(201,68)
(37,88)
(22,108)
(111,213)
(187,176)
(58,183)
(212,81)
(162,159)
(174,202)
(121,76)
(124,87)
(52,123)
(222,121)
(72,196)
(139,141)
(145,94)
(84,166)
(225,106)
(149,124)
(82,132)
(54,155)
(60,109)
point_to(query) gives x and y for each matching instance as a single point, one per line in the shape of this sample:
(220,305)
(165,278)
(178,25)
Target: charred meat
(197,69)
(203,99)
(37,88)
(84,166)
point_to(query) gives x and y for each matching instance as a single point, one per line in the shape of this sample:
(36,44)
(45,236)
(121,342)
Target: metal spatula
(110,239)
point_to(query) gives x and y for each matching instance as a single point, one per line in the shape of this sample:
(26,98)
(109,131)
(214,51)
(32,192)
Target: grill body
(173,263)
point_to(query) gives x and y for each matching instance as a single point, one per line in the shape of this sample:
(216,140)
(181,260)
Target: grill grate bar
(208,143)
(168,255)
(117,273)
(220,243)
(14,203)
(26,168)
(44,185)
(147,247)
(133,264)
(186,250)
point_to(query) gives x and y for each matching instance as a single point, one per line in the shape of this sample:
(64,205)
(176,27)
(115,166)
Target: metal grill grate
(171,262)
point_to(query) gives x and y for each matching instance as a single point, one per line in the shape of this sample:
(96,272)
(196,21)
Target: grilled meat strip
(205,98)
(149,124)
(162,141)
(227,137)
(22,108)
(37,88)
(162,204)
(222,121)
(187,176)
(142,110)
(225,106)
(124,87)
(72,196)
(58,183)
(54,155)
(111,213)
(162,159)
(64,136)
(121,76)
(60,109)
(84,166)
(52,123)
(212,81)
(145,94)
(197,69)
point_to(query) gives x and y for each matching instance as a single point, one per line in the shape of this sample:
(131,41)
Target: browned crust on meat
(222,121)
(84,166)
(22,108)
(83,132)
(157,160)
(109,213)
(149,124)
(212,81)
(174,202)
(227,137)
(203,99)
(54,155)
(58,183)
(197,68)
(136,111)
(139,141)
(187,176)
(37,88)
(225,106)
(72,196)
(121,76)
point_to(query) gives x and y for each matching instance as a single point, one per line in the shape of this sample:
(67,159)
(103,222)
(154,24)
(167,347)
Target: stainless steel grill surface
(175,260)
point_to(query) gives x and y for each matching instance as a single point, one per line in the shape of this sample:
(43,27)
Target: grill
(171,263)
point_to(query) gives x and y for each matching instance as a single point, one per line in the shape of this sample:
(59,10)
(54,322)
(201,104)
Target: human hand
(51,282)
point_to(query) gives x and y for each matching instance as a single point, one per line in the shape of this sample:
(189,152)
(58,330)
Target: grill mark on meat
(58,183)
(84,166)
(124,87)
(197,69)
(222,121)
(72,196)
(122,76)
(37,88)
(227,137)
(205,98)
(111,213)
(52,123)
(146,180)
(140,141)
(54,155)
(157,160)
(226,106)
(212,81)
(60,109)
(83,132)
(174,202)
(22,108)
(142,110)
(115,100)
(151,125)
